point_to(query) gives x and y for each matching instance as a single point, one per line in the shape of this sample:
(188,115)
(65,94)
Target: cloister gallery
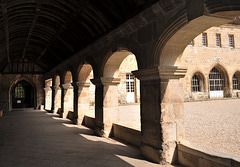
(66,56)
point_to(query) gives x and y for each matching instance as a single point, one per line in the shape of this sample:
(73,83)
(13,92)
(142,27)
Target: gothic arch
(225,76)
(202,80)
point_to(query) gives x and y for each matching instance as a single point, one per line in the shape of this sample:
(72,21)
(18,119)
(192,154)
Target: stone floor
(32,138)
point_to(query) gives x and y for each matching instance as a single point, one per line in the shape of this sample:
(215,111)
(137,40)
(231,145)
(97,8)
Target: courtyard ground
(212,124)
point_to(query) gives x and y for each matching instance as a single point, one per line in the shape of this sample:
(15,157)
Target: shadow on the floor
(33,137)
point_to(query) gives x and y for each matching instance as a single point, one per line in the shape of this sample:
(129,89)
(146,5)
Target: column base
(165,156)
(103,130)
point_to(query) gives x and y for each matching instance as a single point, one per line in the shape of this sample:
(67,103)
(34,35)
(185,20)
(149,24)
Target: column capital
(47,88)
(66,86)
(56,87)
(81,84)
(161,72)
(106,81)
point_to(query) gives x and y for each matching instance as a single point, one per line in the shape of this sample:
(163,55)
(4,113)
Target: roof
(45,33)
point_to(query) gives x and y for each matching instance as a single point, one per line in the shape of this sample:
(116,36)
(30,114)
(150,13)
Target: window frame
(218,40)
(235,82)
(216,80)
(130,82)
(231,40)
(204,39)
(195,83)
(19,92)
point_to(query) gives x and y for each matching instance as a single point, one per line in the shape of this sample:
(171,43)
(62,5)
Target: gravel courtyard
(214,124)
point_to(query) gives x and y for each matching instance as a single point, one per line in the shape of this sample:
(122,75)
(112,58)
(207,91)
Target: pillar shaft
(53,99)
(48,98)
(67,99)
(161,112)
(106,108)
(57,98)
(81,99)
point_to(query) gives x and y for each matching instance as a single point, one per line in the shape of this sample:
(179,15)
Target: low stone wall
(128,135)
(119,132)
(88,122)
(196,156)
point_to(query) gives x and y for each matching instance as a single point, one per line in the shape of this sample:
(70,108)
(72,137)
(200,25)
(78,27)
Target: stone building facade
(213,61)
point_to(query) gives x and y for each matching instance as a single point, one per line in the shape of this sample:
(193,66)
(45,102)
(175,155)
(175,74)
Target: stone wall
(9,80)
(201,59)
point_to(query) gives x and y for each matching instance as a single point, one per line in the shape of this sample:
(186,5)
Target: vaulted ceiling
(47,32)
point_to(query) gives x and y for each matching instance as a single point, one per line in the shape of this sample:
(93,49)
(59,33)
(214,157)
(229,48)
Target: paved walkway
(32,138)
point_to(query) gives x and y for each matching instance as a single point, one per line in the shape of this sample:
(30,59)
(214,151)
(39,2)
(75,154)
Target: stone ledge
(128,135)
(193,155)
(161,72)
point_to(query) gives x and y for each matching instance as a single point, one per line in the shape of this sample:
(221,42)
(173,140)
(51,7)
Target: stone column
(47,89)
(106,104)
(65,88)
(161,112)
(82,99)
(53,99)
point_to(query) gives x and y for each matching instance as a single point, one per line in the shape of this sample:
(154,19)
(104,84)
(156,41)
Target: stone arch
(202,80)
(17,80)
(86,92)
(68,77)
(111,67)
(110,81)
(57,80)
(175,35)
(121,45)
(235,83)
(197,86)
(178,35)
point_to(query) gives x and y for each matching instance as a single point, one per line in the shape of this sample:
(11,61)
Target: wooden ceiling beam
(5,20)
(64,26)
(36,14)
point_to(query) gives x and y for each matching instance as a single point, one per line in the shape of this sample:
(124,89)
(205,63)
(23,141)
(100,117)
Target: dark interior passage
(23,95)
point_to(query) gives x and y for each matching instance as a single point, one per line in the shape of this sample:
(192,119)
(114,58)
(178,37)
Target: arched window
(235,82)
(195,84)
(216,80)
(19,91)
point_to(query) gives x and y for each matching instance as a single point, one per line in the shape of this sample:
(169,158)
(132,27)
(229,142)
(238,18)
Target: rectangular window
(204,39)
(130,83)
(231,41)
(218,40)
